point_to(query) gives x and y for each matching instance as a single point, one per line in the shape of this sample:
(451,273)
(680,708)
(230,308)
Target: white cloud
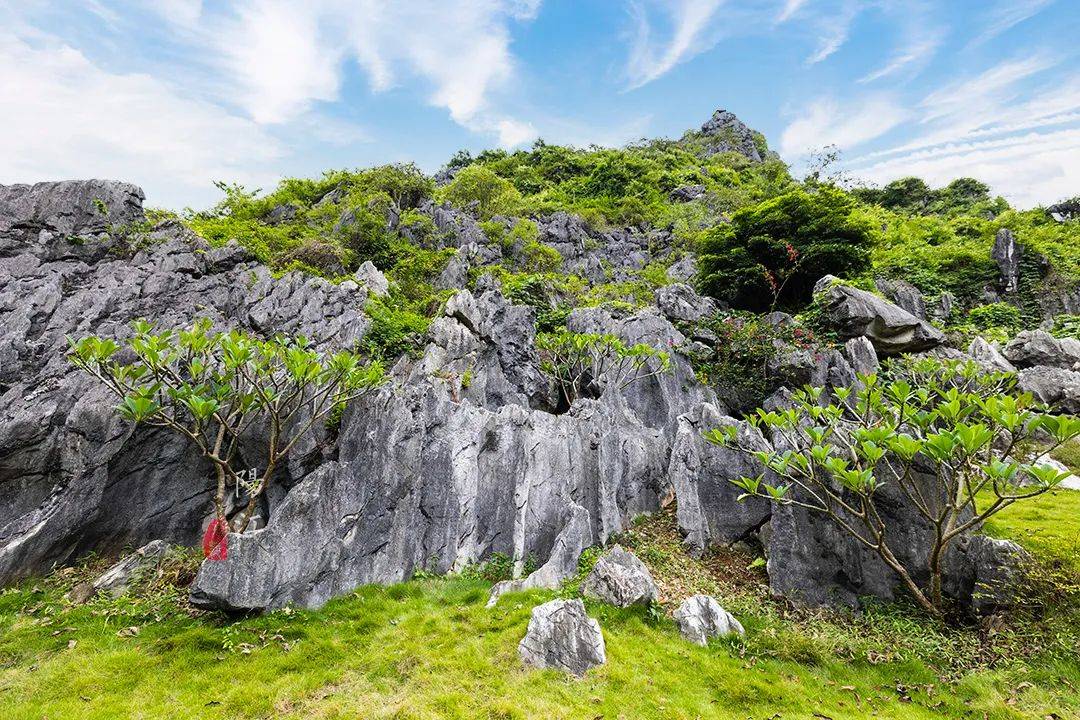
(689,20)
(286,56)
(1006,15)
(273,51)
(1023,142)
(184,13)
(790,8)
(922,45)
(65,117)
(1028,169)
(826,122)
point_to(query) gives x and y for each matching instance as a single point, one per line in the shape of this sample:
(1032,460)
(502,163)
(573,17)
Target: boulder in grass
(116,579)
(619,578)
(563,637)
(700,618)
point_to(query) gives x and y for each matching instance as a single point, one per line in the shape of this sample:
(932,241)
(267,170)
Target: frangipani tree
(978,439)
(212,387)
(578,361)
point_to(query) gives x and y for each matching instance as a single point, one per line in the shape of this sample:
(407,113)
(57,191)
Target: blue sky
(174,94)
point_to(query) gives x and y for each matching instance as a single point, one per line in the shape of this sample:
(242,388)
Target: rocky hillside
(469,451)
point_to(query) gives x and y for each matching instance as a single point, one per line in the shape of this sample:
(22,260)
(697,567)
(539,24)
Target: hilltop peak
(725,132)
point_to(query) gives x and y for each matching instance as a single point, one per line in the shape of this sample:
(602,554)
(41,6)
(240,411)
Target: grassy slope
(430,649)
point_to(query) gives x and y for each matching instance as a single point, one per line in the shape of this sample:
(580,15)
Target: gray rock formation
(1058,388)
(1006,253)
(688,193)
(684,269)
(371,279)
(700,618)
(74,477)
(679,302)
(464,453)
(892,330)
(116,579)
(904,294)
(436,476)
(1038,347)
(989,357)
(707,502)
(724,132)
(619,578)
(988,571)
(861,355)
(52,219)
(811,561)
(562,637)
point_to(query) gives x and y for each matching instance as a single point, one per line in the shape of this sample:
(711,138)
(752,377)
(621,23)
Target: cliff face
(430,472)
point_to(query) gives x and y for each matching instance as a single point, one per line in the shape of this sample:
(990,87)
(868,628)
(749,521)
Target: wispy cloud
(689,23)
(65,116)
(1024,142)
(1006,15)
(922,44)
(789,9)
(846,125)
(1028,169)
(834,28)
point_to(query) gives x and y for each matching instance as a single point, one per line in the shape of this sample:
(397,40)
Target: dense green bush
(476,184)
(771,254)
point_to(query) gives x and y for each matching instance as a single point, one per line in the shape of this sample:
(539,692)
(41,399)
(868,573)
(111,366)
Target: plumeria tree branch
(212,387)
(969,431)
(577,361)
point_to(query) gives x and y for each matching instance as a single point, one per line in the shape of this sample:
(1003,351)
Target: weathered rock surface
(73,476)
(465,453)
(700,618)
(852,312)
(812,561)
(988,571)
(904,294)
(1051,385)
(431,475)
(561,636)
(707,502)
(679,302)
(619,578)
(861,356)
(724,132)
(1031,348)
(989,357)
(116,579)
(1006,253)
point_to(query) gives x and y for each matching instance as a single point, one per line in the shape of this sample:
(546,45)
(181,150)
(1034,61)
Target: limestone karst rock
(561,636)
(700,618)
(430,472)
(852,312)
(619,578)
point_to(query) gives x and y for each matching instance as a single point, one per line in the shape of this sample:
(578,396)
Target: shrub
(962,425)
(1066,326)
(492,194)
(1001,317)
(211,387)
(394,330)
(773,253)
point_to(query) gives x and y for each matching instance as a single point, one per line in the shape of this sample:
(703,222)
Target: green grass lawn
(430,649)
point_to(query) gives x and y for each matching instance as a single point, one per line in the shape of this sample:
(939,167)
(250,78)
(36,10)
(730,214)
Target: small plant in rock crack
(954,434)
(585,364)
(212,387)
